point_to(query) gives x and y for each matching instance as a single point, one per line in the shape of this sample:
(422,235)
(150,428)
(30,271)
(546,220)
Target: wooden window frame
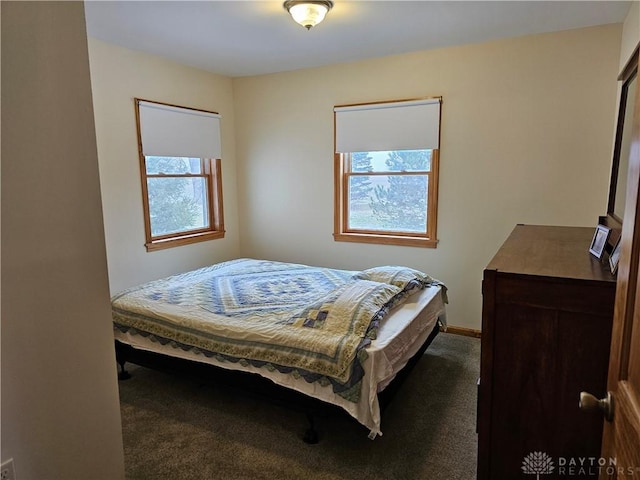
(211,171)
(342,233)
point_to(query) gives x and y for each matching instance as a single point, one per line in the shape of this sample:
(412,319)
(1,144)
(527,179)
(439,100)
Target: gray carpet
(176,429)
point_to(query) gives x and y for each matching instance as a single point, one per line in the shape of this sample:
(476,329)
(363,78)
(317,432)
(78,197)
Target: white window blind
(168,131)
(410,125)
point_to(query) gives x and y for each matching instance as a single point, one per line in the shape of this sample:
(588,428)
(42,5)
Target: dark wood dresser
(546,328)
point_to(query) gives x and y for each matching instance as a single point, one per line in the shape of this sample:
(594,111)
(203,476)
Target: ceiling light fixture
(308,13)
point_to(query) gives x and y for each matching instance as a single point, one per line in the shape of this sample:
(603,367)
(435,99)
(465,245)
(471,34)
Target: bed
(338,336)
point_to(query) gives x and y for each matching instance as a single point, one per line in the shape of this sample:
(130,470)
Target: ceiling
(243,37)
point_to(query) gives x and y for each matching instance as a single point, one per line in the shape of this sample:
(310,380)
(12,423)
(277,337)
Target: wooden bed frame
(256,385)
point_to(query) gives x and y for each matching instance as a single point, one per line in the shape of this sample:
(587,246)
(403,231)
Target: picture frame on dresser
(599,241)
(614,258)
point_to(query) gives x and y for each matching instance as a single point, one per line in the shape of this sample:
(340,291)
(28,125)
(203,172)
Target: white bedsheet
(400,336)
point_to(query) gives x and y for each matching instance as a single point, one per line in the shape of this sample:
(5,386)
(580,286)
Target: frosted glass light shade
(308,13)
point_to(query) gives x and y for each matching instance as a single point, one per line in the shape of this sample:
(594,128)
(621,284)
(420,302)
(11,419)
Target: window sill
(385,240)
(183,240)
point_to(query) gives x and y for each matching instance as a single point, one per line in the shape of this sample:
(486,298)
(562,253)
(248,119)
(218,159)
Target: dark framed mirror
(620,164)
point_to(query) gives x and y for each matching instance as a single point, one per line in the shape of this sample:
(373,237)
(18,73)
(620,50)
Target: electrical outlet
(6,470)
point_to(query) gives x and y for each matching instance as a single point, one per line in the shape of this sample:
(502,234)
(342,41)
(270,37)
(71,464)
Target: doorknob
(590,403)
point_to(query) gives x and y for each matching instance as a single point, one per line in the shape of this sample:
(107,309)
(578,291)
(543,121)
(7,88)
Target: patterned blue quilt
(310,322)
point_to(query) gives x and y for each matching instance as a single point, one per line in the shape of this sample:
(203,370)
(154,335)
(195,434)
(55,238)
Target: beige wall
(630,33)
(60,408)
(526,138)
(119,75)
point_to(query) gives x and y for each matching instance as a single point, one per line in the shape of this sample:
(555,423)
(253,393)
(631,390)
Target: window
(181,174)
(386,172)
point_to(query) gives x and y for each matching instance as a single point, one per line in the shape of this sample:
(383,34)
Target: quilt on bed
(311,322)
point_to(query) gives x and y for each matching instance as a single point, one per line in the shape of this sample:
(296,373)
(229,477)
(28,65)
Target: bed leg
(121,358)
(311,435)
(123,374)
